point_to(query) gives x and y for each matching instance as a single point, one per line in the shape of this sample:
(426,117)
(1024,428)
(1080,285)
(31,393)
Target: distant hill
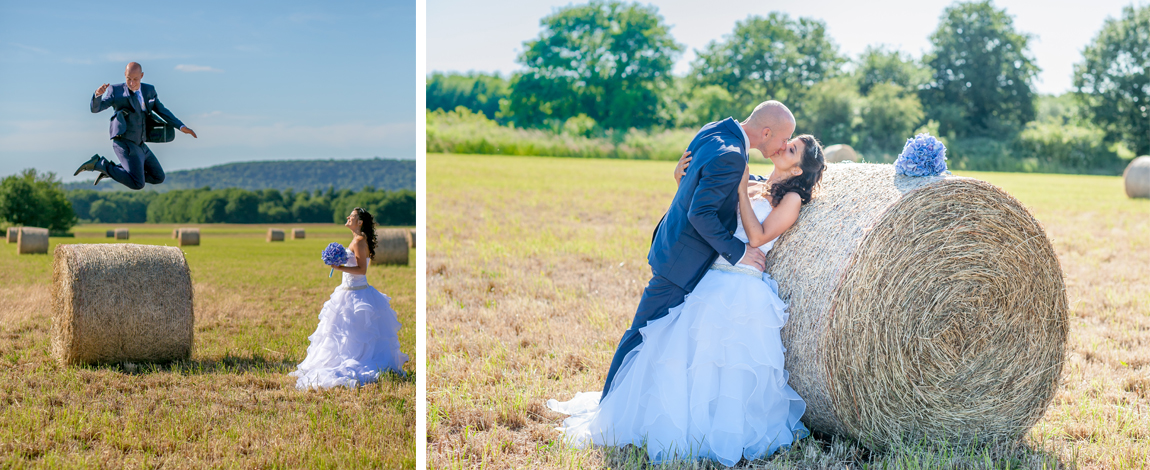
(300,175)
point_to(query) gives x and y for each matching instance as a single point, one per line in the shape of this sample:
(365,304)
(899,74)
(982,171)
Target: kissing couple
(700,372)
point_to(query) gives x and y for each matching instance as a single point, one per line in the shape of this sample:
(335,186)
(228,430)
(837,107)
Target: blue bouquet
(923,155)
(334,254)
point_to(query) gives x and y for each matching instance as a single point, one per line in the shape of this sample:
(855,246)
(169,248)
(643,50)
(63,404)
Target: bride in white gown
(356,339)
(708,380)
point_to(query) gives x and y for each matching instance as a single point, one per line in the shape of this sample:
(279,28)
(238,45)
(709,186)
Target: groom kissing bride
(699,374)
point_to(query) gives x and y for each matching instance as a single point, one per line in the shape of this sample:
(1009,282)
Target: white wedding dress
(356,339)
(707,381)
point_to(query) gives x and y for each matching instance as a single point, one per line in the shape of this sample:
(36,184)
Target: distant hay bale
(840,153)
(121,234)
(31,240)
(390,246)
(121,302)
(919,307)
(298,234)
(110,233)
(12,232)
(275,235)
(188,237)
(1137,177)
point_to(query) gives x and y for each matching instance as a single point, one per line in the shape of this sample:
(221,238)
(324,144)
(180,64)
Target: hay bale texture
(1137,177)
(121,302)
(12,233)
(275,235)
(30,240)
(919,307)
(121,234)
(298,234)
(840,153)
(110,233)
(390,246)
(188,237)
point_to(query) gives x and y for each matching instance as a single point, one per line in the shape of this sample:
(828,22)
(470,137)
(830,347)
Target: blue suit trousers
(660,296)
(138,165)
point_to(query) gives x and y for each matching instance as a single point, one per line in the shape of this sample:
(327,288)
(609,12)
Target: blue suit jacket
(129,120)
(699,225)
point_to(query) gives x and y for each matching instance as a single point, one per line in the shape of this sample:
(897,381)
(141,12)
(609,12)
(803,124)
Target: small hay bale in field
(1137,177)
(121,234)
(121,302)
(390,246)
(110,233)
(275,235)
(919,307)
(12,233)
(31,240)
(840,153)
(188,237)
(298,234)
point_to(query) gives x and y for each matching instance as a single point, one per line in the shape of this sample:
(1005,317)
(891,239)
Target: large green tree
(606,59)
(772,57)
(1113,79)
(981,73)
(881,65)
(35,200)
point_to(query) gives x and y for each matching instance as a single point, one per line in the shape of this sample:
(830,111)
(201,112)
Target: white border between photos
(421,234)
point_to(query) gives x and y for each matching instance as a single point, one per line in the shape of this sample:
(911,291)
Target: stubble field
(535,267)
(232,404)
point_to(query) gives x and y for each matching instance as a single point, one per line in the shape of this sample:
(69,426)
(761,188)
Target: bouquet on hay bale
(334,254)
(923,155)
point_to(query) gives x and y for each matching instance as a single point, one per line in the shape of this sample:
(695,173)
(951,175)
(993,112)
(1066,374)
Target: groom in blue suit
(699,226)
(132,102)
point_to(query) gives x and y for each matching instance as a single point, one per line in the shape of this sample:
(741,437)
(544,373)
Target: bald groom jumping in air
(133,102)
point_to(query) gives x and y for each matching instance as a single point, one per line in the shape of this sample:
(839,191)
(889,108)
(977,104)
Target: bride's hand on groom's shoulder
(681,167)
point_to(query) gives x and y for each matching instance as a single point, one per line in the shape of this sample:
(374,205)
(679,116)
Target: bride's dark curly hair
(368,229)
(812,164)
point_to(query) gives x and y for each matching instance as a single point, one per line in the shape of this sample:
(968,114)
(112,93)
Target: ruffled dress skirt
(356,340)
(706,382)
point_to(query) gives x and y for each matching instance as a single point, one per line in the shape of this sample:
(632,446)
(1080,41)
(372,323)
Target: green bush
(1075,148)
(35,200)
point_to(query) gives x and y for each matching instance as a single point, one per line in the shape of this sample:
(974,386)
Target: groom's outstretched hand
(754,258)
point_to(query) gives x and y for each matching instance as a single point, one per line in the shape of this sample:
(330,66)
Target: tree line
(602,68)
(38,199)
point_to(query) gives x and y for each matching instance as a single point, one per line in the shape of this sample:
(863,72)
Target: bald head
(769,127)
(132,75)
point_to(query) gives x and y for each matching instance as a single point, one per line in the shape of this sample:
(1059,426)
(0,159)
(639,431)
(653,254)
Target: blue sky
(255,80)
(493,32)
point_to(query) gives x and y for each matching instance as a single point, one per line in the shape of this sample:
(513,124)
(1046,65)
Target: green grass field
(535,267)
(232,404)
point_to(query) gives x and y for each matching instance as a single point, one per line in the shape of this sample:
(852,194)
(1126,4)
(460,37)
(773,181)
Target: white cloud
(30,48)
(135,56)
(197,68)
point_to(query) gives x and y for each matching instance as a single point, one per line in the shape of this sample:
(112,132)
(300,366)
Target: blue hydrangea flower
(923,155)
(334,254)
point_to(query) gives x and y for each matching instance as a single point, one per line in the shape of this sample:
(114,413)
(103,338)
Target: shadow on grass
(830,452)
(228,364)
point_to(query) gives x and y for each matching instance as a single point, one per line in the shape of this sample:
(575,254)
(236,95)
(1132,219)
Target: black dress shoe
(89,165)
(98,178)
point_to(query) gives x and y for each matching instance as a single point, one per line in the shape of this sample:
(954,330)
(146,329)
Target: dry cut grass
(535,267)
(232,404)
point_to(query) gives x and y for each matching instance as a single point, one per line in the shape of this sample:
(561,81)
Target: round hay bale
(121,234)
(189,237)
(919,307)
(840,153)
(110,233)
(298,234)
(121,302)
(31,240)
(390,246)
(12,233)
(1137,177)
(275,235)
